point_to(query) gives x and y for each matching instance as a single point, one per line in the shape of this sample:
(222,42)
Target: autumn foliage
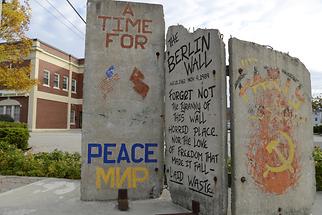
(15,46)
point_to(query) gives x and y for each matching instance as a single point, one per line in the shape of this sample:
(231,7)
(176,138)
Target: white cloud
(288,25)
(49,25)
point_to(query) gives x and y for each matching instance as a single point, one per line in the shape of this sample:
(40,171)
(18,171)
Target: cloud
(66,32)
(288,26)
(316,83)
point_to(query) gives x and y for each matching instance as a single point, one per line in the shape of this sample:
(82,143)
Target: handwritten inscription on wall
(126,30)
(191,121)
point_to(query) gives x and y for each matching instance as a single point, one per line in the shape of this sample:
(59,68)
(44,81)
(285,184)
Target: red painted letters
(128,31)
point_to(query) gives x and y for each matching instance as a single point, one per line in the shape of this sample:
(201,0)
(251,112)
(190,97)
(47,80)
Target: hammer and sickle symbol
(286,163)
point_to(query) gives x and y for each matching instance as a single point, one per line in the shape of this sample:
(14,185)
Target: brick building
(56,102)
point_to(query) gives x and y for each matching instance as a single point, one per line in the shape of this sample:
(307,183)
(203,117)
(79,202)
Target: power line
(76,11)
(82,36)
(65,17)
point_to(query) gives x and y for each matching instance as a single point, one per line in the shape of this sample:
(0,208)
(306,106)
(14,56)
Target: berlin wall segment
(195,122)
(272,142)
(122,136)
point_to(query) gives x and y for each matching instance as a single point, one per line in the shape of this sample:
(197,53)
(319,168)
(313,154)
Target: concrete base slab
(62,196)
(12,182)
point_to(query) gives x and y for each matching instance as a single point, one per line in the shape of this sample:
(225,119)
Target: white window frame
(74,82)
(58,83)
(46,72)
(67,83)
(72,118)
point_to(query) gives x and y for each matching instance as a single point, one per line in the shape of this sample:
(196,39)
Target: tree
(317,103)
(16,46)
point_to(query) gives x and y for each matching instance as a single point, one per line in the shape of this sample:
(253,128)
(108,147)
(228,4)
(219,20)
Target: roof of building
(56,51)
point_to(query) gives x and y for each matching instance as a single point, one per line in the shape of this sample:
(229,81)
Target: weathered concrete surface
(122,139)
(61,196)
(272,141)
(12,182)
(196,119)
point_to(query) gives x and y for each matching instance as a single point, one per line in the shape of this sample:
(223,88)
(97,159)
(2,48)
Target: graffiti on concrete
(193,55)
(115,155)
(108,81)
(119,29)
(140,87)
(173,39)
(248,62)
(192,127)
(142,117)
(274,99)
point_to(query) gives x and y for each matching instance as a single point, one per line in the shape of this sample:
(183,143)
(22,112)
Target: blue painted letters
(139,153)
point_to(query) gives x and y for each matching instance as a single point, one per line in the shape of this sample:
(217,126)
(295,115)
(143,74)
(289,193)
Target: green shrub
(17,136)
(11,160)
(12,125)
(6,146)
(6,118)
(57,164)
(61,164)
(317,129)
(317,154)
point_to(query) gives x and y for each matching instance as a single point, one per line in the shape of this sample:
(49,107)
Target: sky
(291,26)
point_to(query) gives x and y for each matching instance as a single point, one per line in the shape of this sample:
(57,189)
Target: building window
(46,78)
(16,113)
(8,110)
(74,85)
(11,110)
(316,119)
(56,81)
(72,117)
(65,83)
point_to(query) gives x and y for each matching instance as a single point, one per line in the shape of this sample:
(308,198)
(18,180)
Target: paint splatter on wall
(274,99)
(139,86)
(108,81)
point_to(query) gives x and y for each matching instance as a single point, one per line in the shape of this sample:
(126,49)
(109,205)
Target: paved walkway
(61,196)
(11,182)
(318,142)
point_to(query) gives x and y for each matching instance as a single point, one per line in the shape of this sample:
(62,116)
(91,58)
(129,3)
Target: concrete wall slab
(272,141)
(122,137)
(195,96)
